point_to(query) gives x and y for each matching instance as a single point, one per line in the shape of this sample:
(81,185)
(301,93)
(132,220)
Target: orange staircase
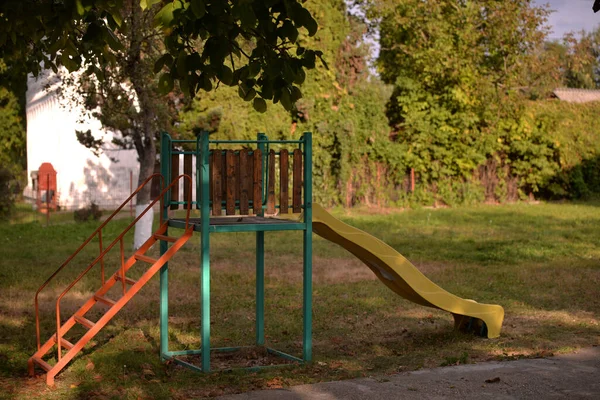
(66,350)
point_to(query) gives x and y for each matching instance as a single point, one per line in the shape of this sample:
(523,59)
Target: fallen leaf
(275,383)
(90,366)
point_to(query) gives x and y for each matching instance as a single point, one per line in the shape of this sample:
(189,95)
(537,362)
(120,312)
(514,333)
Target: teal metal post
(265,165)
(205,250)
(260,288)
(307,250)
(165,170)
(260,261)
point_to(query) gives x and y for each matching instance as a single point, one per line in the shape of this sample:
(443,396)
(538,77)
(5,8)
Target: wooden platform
(236,223)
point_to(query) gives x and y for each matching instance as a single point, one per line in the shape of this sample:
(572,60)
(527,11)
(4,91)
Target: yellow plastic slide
(397,273)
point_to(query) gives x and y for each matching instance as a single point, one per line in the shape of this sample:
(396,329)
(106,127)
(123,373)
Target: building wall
(82,177)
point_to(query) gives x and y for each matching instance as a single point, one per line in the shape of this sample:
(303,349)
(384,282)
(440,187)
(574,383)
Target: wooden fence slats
(271,184)
(245,185)
(236,163)
(257,190)
(284,194)
(297,182)
(217,184)
(210,176)
(187,169)
(174,174)
(231,182)
(223,176)
(236,181)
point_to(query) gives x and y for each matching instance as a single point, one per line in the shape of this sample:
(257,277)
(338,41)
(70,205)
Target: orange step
(165,238)
(64,343)
(45,366)
(127,280)
(105,300)
(84,321)
(144,258)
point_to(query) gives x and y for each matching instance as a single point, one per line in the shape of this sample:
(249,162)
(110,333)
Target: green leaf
(79,7)
(312,26)
(181,67)
(165,17)
(145,4)
(161,62)
(296,94)
(116,17)
(308,60)
(247,16)
(286,100)
(198,8)
(289,31)
(259,105)
(266,91)
(250,95)
(113,40)
(288,72)
(226,75)
(320,55)
(246,93)
(205,82)
(300,76)
(165,83)
(253,69)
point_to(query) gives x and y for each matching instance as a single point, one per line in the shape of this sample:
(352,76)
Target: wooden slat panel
(187,169)
(223,176)
(258,182)
(245,181)
(174,174)
(238,179)
(271,184)
(297,182)
(217,184)
(210,176)
(231,183)
(284,192)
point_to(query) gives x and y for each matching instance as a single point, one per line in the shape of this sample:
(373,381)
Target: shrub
(9,188)
(92,213)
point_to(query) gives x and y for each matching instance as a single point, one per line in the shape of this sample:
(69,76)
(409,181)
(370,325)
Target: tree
(354,160)
(12,140)
(458,70)
(37,34)
(249,44)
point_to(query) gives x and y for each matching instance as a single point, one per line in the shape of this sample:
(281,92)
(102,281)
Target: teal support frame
(202,202)
(203,145)
(165,170)
(307,251)
(260,288)
(260,251)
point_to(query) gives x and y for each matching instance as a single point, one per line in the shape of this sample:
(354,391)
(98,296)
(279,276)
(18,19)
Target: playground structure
(219,179)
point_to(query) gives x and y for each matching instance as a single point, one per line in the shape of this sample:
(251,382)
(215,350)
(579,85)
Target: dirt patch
(432,267)
(325,270)
(247,357)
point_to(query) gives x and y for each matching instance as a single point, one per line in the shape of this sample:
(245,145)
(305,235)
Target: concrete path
(572,376)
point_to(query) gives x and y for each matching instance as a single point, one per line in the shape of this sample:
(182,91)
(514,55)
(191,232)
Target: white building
(82,177)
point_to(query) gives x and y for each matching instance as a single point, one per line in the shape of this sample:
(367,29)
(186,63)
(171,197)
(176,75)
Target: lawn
(540,262)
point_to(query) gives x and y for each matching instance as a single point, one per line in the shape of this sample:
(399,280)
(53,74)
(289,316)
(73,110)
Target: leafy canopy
(202,41)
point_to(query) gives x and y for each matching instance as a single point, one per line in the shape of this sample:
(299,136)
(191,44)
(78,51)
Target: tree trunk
(145,127)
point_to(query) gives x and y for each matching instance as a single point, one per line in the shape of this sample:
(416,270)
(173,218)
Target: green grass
(540,262)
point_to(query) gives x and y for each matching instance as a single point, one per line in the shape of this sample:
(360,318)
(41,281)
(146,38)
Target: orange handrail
(119,239)
(99,229)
